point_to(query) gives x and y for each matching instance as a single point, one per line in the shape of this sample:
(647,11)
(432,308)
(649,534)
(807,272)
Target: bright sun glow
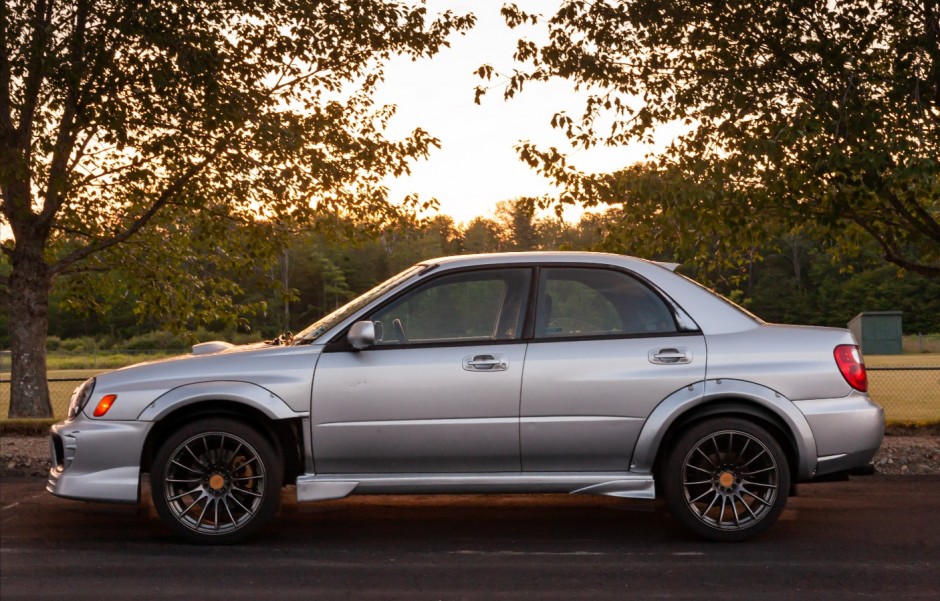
(477,166)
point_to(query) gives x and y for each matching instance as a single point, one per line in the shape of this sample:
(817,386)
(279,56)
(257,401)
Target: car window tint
(598,302)
(479,305)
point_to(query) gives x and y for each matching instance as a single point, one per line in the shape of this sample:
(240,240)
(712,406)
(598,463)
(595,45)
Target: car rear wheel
(216,481)
(727,479)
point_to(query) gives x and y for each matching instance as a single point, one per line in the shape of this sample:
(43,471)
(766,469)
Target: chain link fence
(908,394)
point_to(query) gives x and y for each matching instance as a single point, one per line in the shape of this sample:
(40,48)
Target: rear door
(605,351)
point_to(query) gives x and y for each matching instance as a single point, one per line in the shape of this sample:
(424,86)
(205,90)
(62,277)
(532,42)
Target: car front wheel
(727,479)
(216,481)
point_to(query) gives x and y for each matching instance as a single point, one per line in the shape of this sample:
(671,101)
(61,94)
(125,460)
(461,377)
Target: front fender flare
(245,393)
(700,394)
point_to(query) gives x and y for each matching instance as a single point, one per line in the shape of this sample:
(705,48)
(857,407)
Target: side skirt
(322,487)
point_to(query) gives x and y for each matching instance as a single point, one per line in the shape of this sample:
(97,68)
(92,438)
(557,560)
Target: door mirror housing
(361,335)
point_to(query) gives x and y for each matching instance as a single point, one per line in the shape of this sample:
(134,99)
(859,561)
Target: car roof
(545,257)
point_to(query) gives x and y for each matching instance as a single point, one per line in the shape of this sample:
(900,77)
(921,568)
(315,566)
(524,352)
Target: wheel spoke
(721,514)
(696,499)
(697,482)
(747,441)
(754,458)
(185,467)
(242,465)
(695,467)
(181,480)
(710,505)
(760,471)
(247,478)
(202,513)
(183,494)
(753,496)
(190,506)
(239,503)
(228,511)
(750,483)
(198,460)
(247,492)
(707,458)
(234,454)
(714,440)
(734,509)
(747,506)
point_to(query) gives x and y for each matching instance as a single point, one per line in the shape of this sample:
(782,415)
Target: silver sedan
(576,373)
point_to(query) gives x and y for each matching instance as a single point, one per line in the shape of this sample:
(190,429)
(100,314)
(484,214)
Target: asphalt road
(876,537)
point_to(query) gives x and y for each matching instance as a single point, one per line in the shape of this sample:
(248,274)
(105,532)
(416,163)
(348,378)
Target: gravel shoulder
(899,455)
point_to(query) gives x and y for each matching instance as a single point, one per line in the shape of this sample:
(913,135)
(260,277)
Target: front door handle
(670,356)
(485,363)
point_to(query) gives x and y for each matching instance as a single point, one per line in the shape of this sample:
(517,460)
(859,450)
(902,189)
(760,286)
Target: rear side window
(577,302)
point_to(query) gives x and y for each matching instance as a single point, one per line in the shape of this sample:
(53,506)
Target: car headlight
(80,398)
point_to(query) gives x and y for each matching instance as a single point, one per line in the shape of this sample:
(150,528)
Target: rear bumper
(847,431)
(97,460)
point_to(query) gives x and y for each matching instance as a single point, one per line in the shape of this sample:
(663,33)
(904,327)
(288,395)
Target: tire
(726,479)
(216,481)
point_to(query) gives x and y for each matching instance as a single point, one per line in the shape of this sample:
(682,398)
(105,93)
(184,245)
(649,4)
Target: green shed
(878,332)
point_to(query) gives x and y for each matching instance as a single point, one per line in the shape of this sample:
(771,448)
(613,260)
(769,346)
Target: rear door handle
(486,363)
(670,356)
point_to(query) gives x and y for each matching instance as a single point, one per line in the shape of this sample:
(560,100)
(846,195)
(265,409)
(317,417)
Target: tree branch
(143,219)
(42,21)
(916,216)
(891,253)
(6,115)
(65,139)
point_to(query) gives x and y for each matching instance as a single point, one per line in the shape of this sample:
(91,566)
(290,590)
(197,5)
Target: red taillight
(104,404)
(850,364)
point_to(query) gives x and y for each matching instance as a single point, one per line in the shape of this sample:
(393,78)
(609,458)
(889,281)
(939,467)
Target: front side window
(576,302)
(462,307)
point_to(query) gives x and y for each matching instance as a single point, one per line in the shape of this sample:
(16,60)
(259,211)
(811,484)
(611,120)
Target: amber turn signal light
(104,404)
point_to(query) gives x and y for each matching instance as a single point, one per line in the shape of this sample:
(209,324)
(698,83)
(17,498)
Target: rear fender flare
(760,398)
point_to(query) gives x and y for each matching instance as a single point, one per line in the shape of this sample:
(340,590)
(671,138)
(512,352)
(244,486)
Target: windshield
(334,318)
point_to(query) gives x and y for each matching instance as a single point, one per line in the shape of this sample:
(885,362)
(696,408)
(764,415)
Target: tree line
(794,279)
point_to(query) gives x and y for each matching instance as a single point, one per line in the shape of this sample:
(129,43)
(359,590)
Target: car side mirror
(361,335)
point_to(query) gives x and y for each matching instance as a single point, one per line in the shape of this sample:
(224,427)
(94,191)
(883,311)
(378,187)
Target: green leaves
(820,112)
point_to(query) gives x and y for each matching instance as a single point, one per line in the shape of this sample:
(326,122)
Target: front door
(439,391)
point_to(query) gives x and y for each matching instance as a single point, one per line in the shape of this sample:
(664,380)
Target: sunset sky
(476,166)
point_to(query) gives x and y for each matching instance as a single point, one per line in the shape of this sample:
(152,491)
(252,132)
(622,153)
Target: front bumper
(848,431)
(97,460)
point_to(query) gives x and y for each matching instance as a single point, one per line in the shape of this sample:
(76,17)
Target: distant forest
(796,280)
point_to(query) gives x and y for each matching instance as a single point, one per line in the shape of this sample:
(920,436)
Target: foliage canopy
(794,112)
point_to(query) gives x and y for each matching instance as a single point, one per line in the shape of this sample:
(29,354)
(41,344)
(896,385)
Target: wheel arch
(732,398)
(284,434)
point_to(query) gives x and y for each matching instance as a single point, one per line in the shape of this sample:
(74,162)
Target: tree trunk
(30,284)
